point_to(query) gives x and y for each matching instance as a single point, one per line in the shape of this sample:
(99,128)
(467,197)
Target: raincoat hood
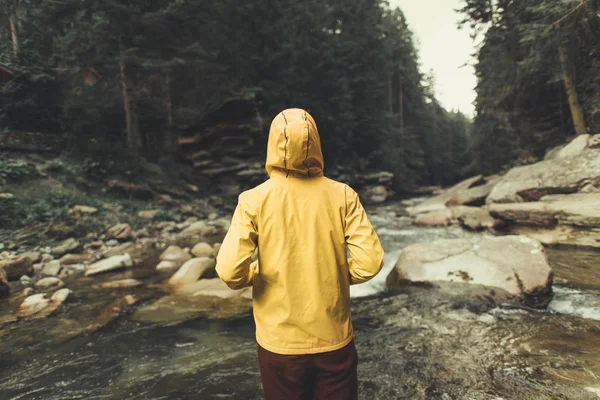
(294,146)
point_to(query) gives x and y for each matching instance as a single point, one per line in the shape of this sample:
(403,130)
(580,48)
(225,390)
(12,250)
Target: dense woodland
(125,78)
(538,69)
(139,73)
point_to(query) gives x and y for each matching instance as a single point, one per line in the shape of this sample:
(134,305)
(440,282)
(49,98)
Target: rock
(199,228)
(120,284)
(46,258)
(173,257)
(68,246)
(52,268)
(6,196)
(70,259)
(118,250)
(166,199)
(192,270)
(26,280)
(57,299)
(4,286)
(96,244)
(375,194)
(148,214)
(439,202)
(475,195)
(217,247)
(382,178)
(562,235)
(441,217)
(210,298)
(210,287)
(49,283)
(120,232)
(33,304)
(77,267)
(581,210)
(110,264)
(203,250)
(188,222)
(555,176)
(16,267)
(222,223)
(594,142)
(112,243)
(474,218)
(574,148)
(33,256)
(80,210)
(515,264)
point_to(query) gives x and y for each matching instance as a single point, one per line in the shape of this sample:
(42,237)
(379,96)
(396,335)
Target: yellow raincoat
(301,223)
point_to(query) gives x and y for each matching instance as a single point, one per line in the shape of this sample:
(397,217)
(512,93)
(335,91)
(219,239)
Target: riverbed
(414,344)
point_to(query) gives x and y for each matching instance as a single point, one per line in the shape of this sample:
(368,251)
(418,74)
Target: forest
(135,75)
(538,66)
(129,77)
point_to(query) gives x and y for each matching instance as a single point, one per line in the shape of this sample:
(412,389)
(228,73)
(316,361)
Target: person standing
(302,224)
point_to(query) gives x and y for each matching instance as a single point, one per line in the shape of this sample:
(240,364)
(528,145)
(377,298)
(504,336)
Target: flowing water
(61,358)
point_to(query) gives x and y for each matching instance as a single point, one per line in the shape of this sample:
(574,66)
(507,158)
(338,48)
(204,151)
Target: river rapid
(418,343)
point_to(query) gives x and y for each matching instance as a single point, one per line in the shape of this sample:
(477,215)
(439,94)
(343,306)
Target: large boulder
(16,267)
(442,217)
(439,202)
(192,270)
(475,195)
(474,218)
(209,298)
(574,148)
(562,235)
(516,265)
(555,176)
(581,209)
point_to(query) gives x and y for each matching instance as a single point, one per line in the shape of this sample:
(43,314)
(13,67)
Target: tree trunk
(401,108)
(390,95)
(170,137)
(571,87)
(134,142)
(14,35)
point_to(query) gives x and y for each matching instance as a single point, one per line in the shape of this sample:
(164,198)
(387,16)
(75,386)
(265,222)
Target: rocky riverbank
(555,201)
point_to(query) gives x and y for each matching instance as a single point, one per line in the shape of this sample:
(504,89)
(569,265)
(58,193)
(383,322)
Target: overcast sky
(444,49)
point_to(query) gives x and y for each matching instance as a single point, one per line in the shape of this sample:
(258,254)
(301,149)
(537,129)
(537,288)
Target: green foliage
(13,171)
(97,169)
(522,105)
(351,63)
(164,215)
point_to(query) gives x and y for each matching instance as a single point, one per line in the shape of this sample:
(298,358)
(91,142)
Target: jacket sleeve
(234,262)
(366,253)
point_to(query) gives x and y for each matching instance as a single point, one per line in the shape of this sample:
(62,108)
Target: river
(412,345)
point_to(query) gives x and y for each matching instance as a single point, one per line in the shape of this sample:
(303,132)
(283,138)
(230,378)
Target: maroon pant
(330,375)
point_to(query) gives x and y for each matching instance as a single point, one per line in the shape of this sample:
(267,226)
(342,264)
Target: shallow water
(57,358)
